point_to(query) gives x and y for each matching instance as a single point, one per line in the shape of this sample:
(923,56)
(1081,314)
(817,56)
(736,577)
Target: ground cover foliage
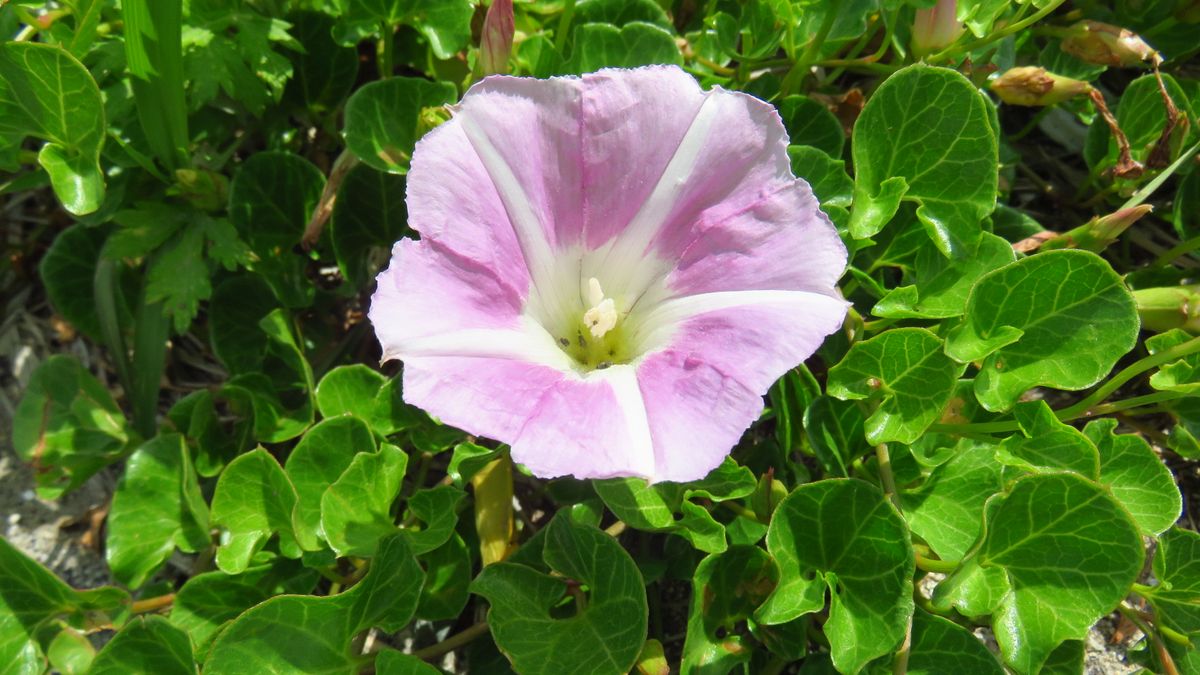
(1012,402)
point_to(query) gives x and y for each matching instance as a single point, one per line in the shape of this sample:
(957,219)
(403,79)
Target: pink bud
(1108,45)
(936,27)
(496,43)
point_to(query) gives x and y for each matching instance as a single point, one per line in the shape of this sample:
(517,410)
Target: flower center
(595,339)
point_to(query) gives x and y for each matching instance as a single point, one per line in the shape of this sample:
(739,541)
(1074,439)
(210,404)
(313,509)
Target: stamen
(602,317)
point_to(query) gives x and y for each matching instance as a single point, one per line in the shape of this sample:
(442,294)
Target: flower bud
(1098,233)
(936,27)
(1107,45)
(1162,309)
(1034,86)
(496,43)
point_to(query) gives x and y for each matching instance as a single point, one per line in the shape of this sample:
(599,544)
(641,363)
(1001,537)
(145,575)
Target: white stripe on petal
(623,260)
(530,343)
(530,232)
(656,324)
(623,380)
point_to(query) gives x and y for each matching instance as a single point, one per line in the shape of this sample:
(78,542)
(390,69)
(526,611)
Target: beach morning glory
(612,271)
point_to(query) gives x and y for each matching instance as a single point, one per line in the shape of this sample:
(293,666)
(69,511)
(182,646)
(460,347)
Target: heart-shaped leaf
(1059,319)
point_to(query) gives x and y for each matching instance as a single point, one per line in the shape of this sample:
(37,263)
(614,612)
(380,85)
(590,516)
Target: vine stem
(1089,406)
(1000,34)
(792,80)
(1164,656)
(152,604)
(885,473)
(451,643)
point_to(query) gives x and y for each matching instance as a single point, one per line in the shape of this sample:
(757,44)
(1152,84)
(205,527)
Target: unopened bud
(1162,309)
(496,43)
(767,495)
(1100,232)
(936,27)
(1108,45)
(1034,86)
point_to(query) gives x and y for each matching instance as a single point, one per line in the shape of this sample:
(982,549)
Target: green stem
(885,473)
(935,565)
(564,23)
(451,643)
(1164,656)
(1138,367)
(986,40)
(387,39)
(1170,255)
(791,81)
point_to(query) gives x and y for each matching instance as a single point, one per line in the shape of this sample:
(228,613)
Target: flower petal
(724,350)
(488,397)
(433,302)
(593,427)
(742,250)
(453,201)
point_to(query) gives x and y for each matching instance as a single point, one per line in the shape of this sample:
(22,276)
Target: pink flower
(612,271)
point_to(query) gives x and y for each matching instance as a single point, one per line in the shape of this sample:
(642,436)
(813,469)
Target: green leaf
(179,278)
(350,390)
(45,92)
(253,500)
(835,432)
(941,285)
(325,71)
(947,510)
(153,33)
(392,662)
(147,644)
(726,589)
(30,597)
(601,45)
(603,637)
(467,460)
(925,136)
(1067,553)
(1183,375)
(67,426)
(843,535)
(1059,319)
(316,462)
(810,123)
(356,509)
(157,506)
(828,179)
(270,201)
(446,24)
(369,214)
(70,652)
(208,601)
(383,119)
(238,304)
(1176,598)
(68,271)
(232,50)
(906,369)
(942,646)
(1136,477)
(282,397)
(1048,445)
(447,581)
(621,12)
(437,508)
(309,634)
